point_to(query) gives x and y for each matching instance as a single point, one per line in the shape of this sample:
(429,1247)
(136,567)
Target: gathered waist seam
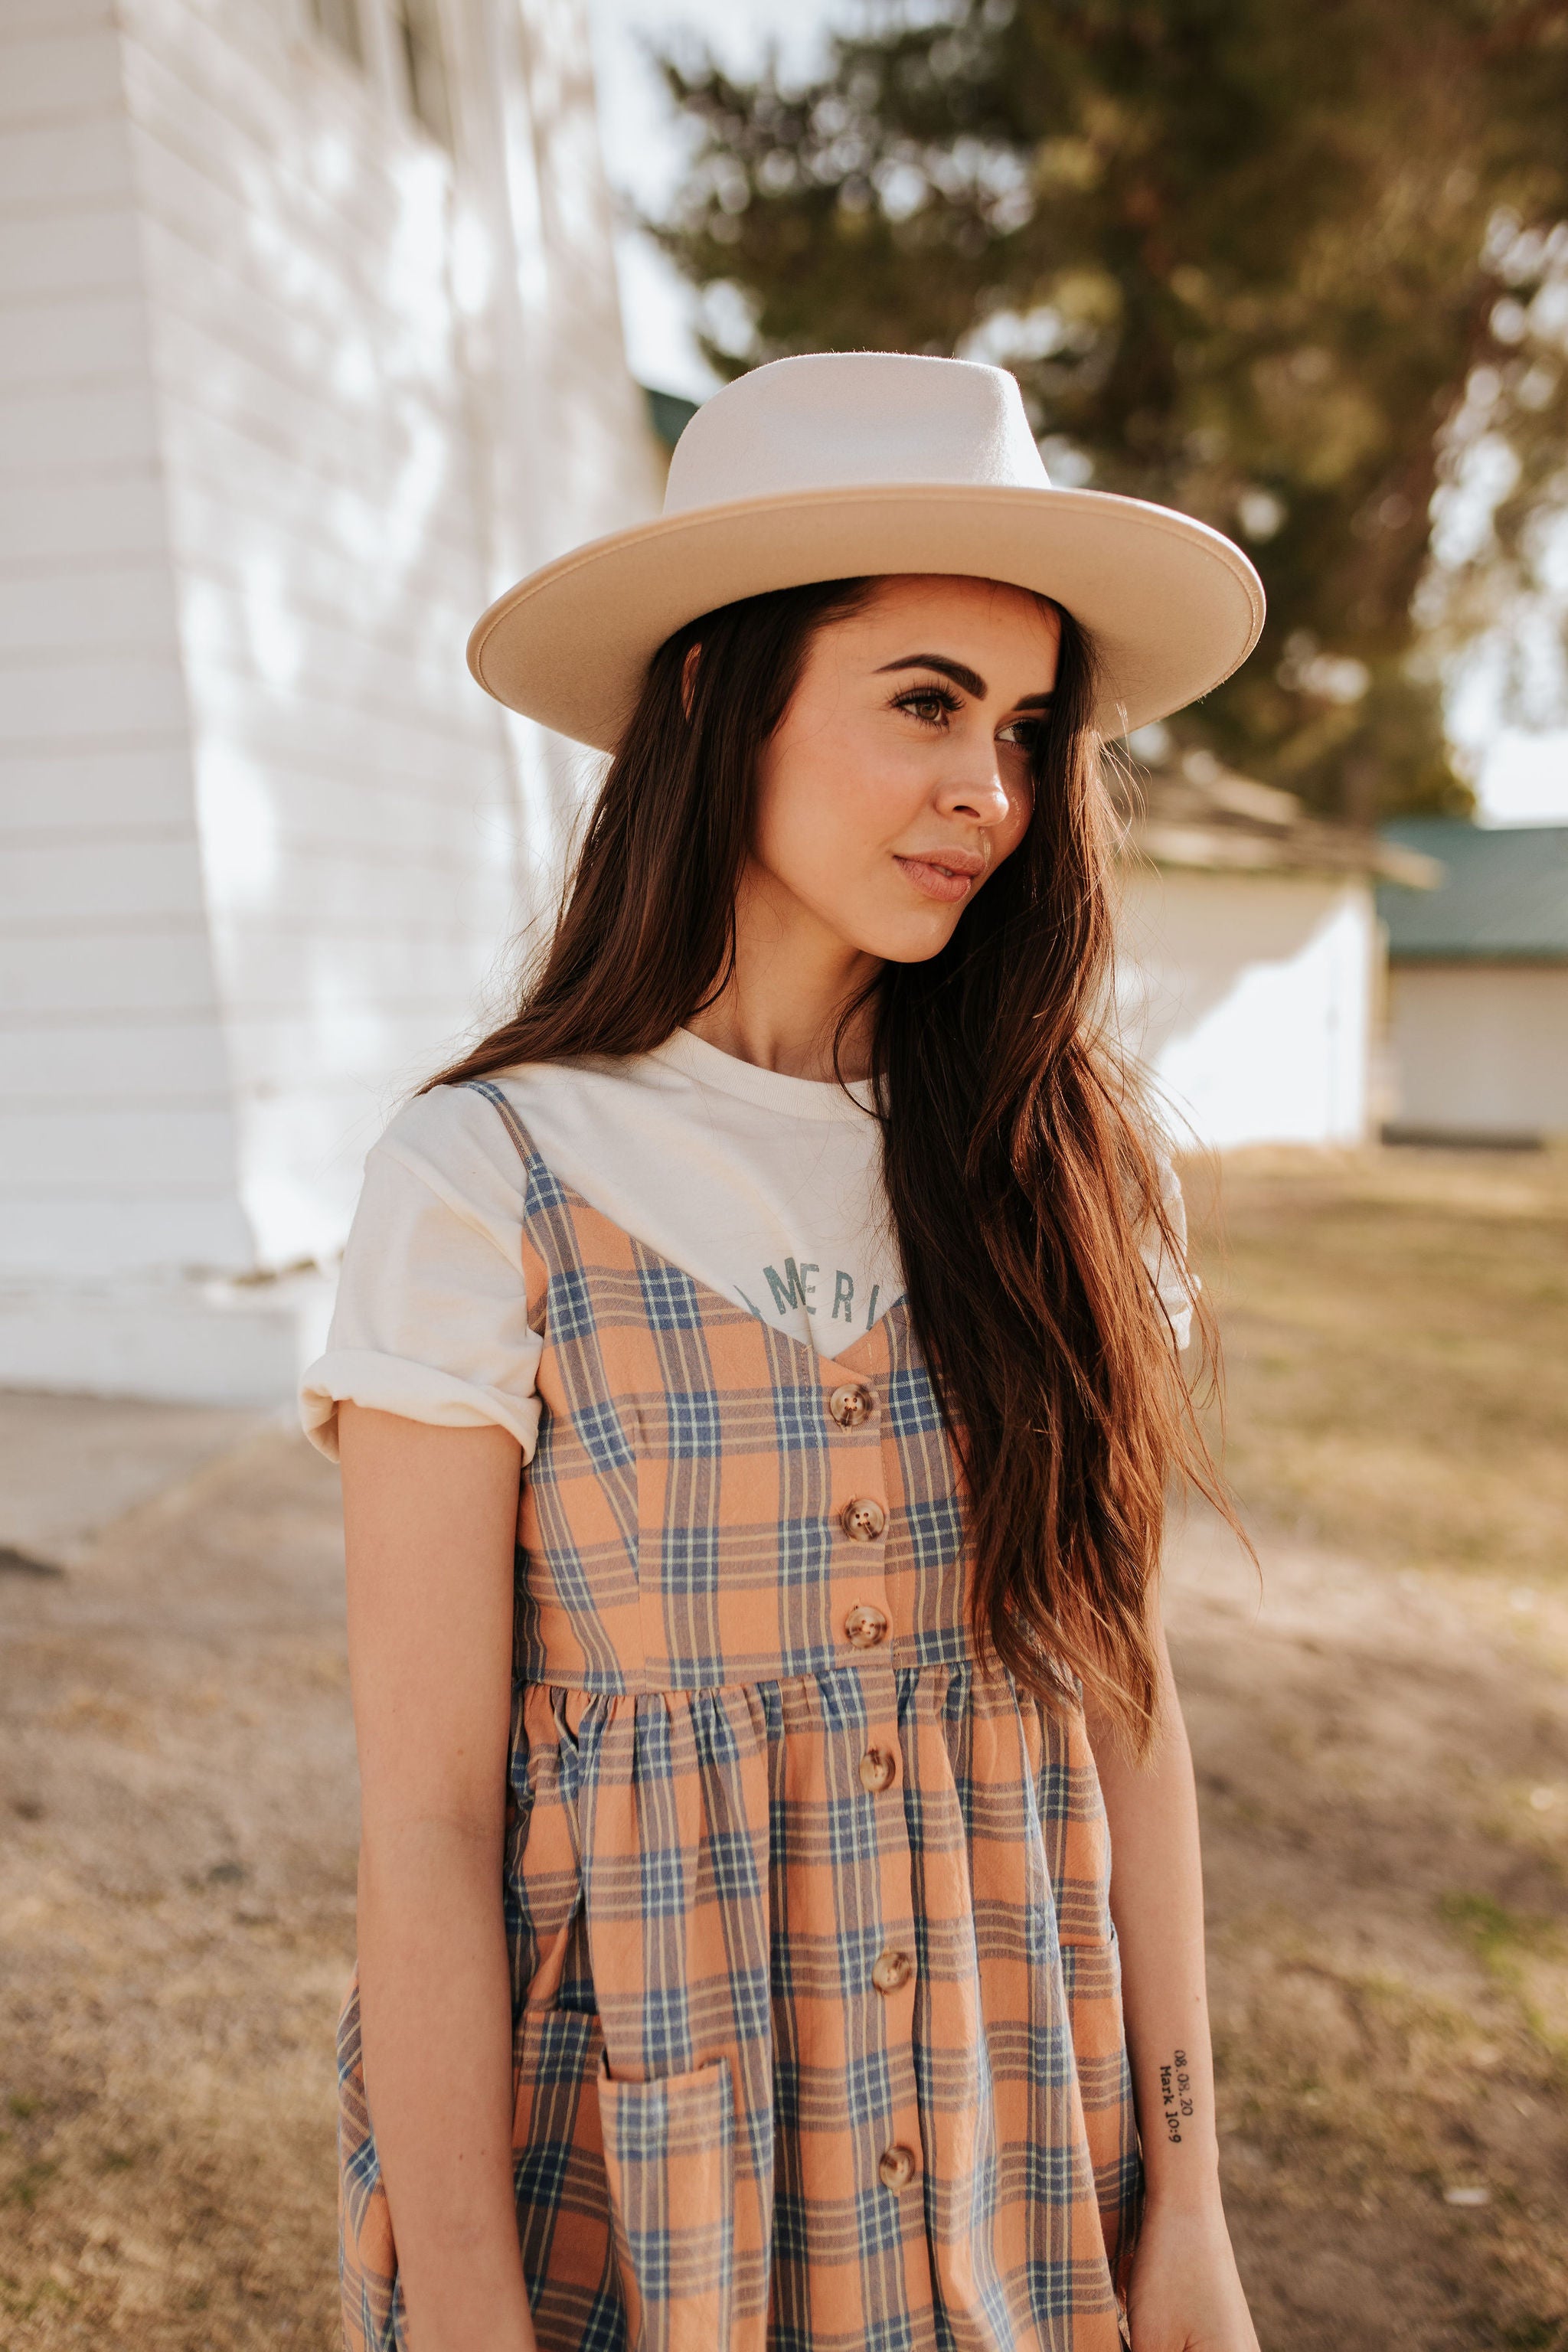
(834,1670)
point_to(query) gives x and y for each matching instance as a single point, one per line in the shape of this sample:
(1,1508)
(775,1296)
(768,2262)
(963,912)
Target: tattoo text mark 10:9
(1176,2094)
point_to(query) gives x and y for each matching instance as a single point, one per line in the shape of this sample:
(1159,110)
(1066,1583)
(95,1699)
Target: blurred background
(320,321)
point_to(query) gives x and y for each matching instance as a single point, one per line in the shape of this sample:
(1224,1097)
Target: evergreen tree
(1282,265)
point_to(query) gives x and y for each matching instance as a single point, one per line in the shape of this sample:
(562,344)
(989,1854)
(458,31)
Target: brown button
(890,1971)
(865,1626)
(863,1520)
(878,1770)
(851,1404)
(896,2166)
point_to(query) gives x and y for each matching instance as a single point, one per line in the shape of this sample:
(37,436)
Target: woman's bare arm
(430,1516)
(1185,2291)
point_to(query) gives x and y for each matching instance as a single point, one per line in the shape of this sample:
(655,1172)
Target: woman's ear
(689,679)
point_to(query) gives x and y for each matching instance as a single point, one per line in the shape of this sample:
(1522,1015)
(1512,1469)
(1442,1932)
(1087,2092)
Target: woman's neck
(792,979)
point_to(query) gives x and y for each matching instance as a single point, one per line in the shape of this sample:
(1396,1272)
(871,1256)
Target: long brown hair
(1023,1168)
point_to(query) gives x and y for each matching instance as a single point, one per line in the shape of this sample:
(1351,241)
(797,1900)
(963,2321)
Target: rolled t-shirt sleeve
(432,1314)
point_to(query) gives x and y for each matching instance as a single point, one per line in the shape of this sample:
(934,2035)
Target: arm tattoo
(1176,2096)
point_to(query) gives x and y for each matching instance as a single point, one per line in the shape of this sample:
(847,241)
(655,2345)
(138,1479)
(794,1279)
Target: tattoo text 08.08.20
(1176,2094)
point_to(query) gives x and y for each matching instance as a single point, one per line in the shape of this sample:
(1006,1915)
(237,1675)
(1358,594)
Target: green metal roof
(1503,898)
(670,413)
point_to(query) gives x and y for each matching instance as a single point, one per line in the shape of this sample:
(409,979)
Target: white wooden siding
(322,501)
(286,394)
(117,1147)
(332,432)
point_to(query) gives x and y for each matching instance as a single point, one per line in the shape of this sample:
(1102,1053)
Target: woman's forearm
(430,1516)
(1156,1901)
(435,2011)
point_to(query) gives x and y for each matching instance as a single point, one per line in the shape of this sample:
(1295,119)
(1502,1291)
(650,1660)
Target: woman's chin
(909,942)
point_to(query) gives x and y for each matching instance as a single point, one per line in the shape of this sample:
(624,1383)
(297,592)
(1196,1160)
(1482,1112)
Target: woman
(741,1962)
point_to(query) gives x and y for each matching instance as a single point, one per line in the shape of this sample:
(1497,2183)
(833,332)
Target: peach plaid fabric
(817,2028)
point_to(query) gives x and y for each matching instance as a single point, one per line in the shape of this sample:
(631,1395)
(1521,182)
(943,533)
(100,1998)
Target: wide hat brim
(1172,606)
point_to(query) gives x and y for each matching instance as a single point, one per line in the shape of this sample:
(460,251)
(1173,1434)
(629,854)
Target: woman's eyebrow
(962,675)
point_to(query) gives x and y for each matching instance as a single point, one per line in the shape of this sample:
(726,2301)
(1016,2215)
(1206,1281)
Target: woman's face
(897,779)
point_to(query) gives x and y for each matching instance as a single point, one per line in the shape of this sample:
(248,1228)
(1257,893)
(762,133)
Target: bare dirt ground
(1381,1733)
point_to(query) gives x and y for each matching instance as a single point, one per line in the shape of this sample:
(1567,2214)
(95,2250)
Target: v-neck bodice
(717,1303)
(708,1446)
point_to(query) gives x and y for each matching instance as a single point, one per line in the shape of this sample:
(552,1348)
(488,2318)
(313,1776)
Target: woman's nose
(981,794)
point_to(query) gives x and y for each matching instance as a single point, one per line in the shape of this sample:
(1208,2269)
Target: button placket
(852,1404)
(864,1513)
(891,1980)
(892,1970)
(865,1626)
(866,1623)
(865,1520)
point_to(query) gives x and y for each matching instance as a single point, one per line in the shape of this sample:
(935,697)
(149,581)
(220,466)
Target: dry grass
(1382,1745)
(1396,1336)
(1382,1750)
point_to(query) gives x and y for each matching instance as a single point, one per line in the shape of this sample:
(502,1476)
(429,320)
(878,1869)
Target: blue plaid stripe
(670,1296)
(799,1420)
(911,1400)
(569,1306)
(604,1436)
(694,1428)
(689,1561)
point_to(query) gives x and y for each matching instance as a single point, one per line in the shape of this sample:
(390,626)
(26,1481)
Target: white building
(309,343)
(1477,986)
(1253,960)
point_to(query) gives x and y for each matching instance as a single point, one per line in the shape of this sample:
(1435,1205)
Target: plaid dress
(817,2035)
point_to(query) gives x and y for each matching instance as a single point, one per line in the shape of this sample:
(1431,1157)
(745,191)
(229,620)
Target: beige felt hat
(844,463)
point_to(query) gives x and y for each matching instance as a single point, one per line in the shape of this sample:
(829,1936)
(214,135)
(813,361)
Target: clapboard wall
(117,1131)
(324,507)
(294,387)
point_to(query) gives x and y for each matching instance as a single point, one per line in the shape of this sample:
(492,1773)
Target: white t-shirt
(767,1189)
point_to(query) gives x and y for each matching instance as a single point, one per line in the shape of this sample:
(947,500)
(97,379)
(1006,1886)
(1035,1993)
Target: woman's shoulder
(464,1143)
(439,1121)
(476,1134)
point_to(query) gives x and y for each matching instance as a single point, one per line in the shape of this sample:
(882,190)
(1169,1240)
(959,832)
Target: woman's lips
(942,882)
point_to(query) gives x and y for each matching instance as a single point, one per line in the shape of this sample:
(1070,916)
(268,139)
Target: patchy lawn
(1396,1336)
(1382,1735)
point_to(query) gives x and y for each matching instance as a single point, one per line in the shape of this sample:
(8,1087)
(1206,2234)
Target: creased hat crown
(835,420)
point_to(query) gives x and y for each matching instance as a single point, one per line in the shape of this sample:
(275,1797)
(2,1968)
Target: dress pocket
(669,2155)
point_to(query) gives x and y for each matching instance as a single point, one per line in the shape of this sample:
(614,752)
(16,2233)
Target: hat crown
(851,420)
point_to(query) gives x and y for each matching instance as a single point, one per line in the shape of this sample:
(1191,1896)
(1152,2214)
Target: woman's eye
(1023,732)
(928,704)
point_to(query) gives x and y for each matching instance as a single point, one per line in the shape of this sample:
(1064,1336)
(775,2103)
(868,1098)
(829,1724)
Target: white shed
(1477,986)
(308,341)
(1252,959)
